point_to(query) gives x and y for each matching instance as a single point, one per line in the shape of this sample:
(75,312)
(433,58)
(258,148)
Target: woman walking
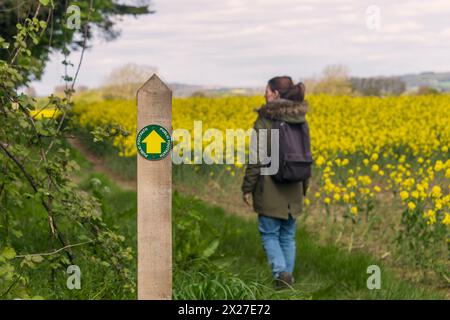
(277,204)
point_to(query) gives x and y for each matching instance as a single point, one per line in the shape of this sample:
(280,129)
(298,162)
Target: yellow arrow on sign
(153,142)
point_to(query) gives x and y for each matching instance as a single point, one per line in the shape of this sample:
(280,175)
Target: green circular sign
(153,142)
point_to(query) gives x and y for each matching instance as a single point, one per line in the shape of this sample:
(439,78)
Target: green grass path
(219,255)
(321,272)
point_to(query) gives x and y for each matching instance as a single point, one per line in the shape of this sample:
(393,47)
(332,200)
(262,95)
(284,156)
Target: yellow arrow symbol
(153,142)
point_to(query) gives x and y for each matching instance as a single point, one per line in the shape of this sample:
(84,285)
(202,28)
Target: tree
(378,86)
(198,94)
(102,18)
(334,80)
(123,82)
(426,90)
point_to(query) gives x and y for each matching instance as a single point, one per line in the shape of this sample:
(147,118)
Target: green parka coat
(271,198)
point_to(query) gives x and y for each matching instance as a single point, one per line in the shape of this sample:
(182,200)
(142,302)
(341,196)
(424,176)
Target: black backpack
(295,158)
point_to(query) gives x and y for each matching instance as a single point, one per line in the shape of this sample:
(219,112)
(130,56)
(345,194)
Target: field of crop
(378,161)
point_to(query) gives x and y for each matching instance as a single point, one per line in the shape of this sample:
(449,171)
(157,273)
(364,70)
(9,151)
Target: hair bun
(296,92)
(287,89)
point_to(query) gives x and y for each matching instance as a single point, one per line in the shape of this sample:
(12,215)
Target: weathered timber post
(154,187)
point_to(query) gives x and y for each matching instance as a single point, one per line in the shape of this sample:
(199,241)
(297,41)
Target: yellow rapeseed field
(362,146)
(339,125)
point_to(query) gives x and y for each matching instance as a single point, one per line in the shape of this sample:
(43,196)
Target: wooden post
(154,187)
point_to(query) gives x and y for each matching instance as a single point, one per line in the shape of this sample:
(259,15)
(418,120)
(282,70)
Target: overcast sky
(245,42)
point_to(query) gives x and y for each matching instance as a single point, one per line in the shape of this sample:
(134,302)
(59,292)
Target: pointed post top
(154,84)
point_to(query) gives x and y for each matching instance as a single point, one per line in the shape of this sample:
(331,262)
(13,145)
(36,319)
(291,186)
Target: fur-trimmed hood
(285,110)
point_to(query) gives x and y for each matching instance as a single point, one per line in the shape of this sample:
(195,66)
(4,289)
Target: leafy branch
(36,173)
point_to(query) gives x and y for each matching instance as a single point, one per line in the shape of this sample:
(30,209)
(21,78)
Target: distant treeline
(335,80)
(124,81)
(378,86)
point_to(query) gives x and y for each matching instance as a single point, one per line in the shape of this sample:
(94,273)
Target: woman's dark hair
(287,89)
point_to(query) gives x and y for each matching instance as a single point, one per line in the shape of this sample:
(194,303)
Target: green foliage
(199,269)
(190,225)
(46,221)
(98,141)
(54,13)
(423,244)
(238,268)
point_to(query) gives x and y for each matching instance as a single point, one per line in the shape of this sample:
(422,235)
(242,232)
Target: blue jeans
(278,237)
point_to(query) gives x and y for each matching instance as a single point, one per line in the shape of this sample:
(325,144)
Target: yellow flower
(430,215)
(404,195)
(411,205)
(320,161)
(327,200)
(354,210)
(436,191)
(375,168)
(446,219)
(439,165)
(346,198)
(447,163)
(377,189)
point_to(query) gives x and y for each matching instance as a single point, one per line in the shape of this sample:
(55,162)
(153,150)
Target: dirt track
(99,166)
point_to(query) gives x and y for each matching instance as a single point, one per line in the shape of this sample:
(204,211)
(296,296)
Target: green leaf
(209,251)
(8,253)
(44,2)
(3,44)
(17,233)
(37,259)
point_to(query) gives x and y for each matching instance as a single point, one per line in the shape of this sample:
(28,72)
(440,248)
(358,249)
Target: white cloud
(446,33)
(243,42)
(418,8)
(401,28)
